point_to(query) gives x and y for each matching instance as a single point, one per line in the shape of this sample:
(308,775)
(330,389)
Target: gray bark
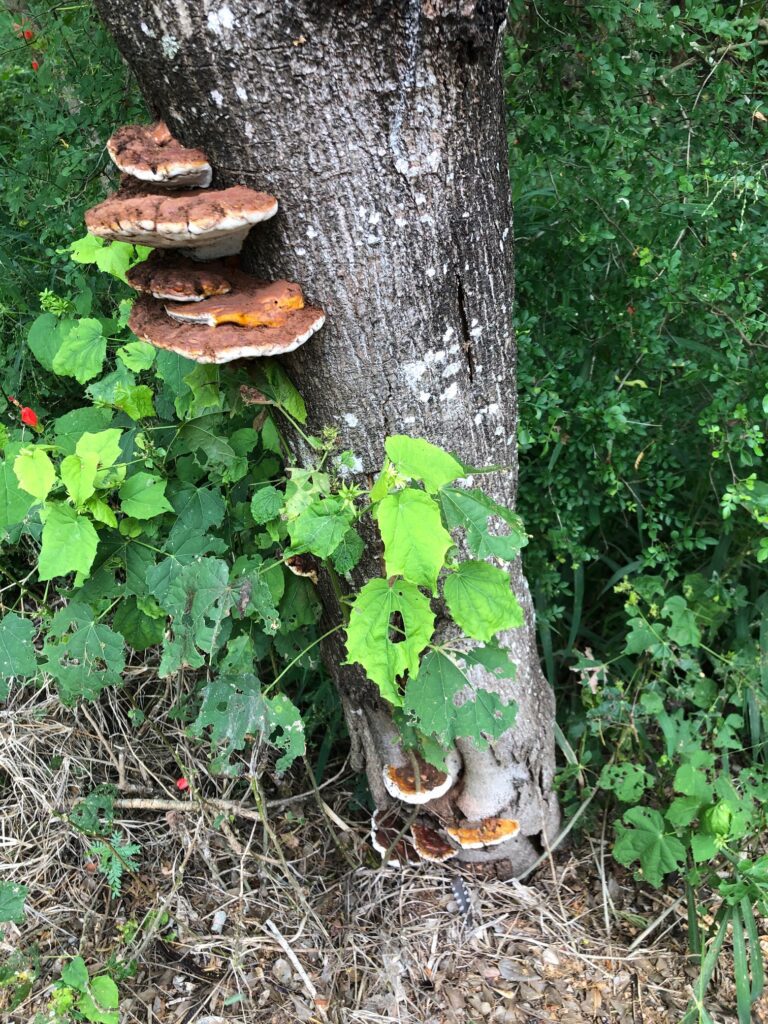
(380,126)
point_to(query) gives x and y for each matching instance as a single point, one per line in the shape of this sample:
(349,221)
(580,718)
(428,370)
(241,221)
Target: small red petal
(182,784)
(35,65)
(631,310)
(29,416)
(29,34)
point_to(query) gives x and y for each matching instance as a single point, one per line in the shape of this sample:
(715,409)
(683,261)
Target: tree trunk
(380,126)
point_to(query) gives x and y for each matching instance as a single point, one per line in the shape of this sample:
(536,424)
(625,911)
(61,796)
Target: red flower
(182,784)
(28,34)
(35,66)
(29,416)
(631,310)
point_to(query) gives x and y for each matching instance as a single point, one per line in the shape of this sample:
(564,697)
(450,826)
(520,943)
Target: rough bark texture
(380,126)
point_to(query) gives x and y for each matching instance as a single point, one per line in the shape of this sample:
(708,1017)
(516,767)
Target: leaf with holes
(287,730)
(17,650)
(12,897)
(83,655)
(319,528)
(472,510)
(369,641)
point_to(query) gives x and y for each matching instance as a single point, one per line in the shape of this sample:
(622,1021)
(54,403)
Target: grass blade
(755,951)
(697,1014)
(741,970)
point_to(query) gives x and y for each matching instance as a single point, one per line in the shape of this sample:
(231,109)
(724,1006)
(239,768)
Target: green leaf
(143,496)
(473,510)
(84,656)
(371,623)
(627,781)
(137,355)
(82,352)
(683,629)
(320,527)
(78,474)
(44,339)
(418,459)
(105,445)
(17,648)
(95,1004)
(136,402)
(272,380)
(14,502)
(266,504)
(70,427)
(35,472)
(101,511)
(139,631)
(85,249)
(12,897)
(104,991)
(260,586)
(284,716)
(430,702)
(643,838)
(348,552)
(415,541)
(233,708)
(199,599)
(202,435)
(203,392)
(69,543)
(481,600)
(75,974)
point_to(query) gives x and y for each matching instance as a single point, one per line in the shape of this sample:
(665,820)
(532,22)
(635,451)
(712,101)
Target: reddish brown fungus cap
(166,275)
(489,832)
(417,782)
(385,828)
(430,845)
(221,344)
(150,153)
(209,224)
(249,303)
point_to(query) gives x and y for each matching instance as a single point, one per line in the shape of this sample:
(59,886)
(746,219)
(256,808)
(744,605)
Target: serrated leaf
(319,528)
(12,897)
(139,631)
(473,511)
(82,352)
(17,648)
(266,504)
(420,460)
(83,656)
(348,552)
(137,355)
(202,435)
(69,543)
(78,474)
(199,599)
(233,708)
(70,427)
(260,586)
(368,633)
(430,702)
(143,496)
(75,974)
(481,600)
(494,660)
(286,729)
(203,393)
(683,629)
(85,249)
(197,508)
(101,512)
(105,445)
(44,339)
(14,502)
(642,837)
(115,258)
(627,781)
(35,472)
(415,541)
(272,380)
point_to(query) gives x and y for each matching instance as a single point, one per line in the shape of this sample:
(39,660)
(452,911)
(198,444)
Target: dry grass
(238,921)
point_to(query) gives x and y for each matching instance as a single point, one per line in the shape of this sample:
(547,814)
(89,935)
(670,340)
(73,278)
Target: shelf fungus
(204,308)
(166,275)
(387,841)
(489,832)
(430,845)
(249,303)
(417,782)
(150,322)
(208,224)
(150,153)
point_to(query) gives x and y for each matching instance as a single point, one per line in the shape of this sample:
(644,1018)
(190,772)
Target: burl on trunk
(380,126)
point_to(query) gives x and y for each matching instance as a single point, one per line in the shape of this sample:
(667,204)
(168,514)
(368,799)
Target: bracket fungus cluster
(416,782)
(211,312)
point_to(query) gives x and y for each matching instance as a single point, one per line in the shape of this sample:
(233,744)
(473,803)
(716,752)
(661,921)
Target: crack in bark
(466,337)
